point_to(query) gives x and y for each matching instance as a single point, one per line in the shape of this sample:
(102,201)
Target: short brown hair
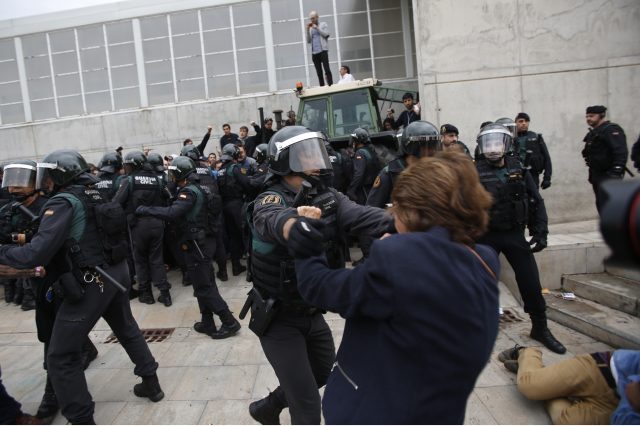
(443,190)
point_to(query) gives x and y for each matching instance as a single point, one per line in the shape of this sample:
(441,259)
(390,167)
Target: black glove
(545,184)
(538,243)
(305,238)
(141,210)
(616,172)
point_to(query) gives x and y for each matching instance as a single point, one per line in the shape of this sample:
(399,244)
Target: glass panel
(351,5)
(324,9)
(156,49)
(386,21)
(67,84)
(220,63)
(65,62)
(351,110)
(254,82)
(160,94)
(7,49)
(222,86)
(184,22)
(355,24)
(287,56)
(124,77)
(37,67)
(34,45)
(252,60)
(158,72)
(40,88)
(286,32)
(95,80)
(122,54)
(288,77)
(93,58)
(62,40)
(383,4)
(98,102)
(215,17)
(190,90)
(8,72)
(188,68)
(41,110)
(117,32)
(70,106)
(360,69)
(284,9)
(390,68)
(355,48)
(12,114)
(154,26)
(388,45)
(249,37)
(90,36)
(314,115)
(217,41)
(10,93)
(127,98)
(247,13)
(187,45)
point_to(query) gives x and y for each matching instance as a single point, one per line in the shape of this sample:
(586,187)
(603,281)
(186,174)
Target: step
(604,324)
(606,289)
(622,272)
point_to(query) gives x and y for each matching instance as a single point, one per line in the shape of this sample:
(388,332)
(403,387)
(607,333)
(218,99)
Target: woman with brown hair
(421,313)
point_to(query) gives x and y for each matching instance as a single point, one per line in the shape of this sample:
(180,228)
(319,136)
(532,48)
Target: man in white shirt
(345,75)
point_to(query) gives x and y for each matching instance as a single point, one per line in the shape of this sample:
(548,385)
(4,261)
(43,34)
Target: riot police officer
(605,150)
(110,171)
(194,212)
(419,139)
(516,197)
(156,164)
(366,166)
(80,241)
(142,187)
(233,185)
(539,159)
(298,341)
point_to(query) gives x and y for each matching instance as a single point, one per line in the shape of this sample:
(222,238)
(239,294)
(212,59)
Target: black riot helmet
(261,153)
(230,152)
(509,124)
(111,162)
(21,174)
(62,167)
(155,162)
(296,149)
(181,167)
(359,136)
(494,140)
(135,159)
(190,151)
(420,139)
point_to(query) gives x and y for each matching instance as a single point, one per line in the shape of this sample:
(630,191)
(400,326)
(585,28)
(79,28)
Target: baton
(197,246)
(109,278)
(626,169)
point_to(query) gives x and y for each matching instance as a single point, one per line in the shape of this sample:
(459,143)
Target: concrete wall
(482,60)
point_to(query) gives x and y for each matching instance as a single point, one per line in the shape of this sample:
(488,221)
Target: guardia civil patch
(271,199)
(182,196)
(376,183)
(49,213)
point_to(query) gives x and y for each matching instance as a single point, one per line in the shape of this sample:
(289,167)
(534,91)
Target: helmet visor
(306,152)
(43,175)
(493,145)
(19,175)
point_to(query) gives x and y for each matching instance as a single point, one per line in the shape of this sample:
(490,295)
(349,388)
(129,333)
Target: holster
(71,286)
(262,311)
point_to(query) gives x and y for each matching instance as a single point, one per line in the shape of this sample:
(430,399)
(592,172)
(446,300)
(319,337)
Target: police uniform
(365,169)
(62,236)
(108,184)
(539,159)
(380,194)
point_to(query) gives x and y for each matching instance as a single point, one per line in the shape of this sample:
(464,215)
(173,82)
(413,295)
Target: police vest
(530,141)
(393,169)
(107,183)
(229,186)
(373,165)
(146,190)
(206,178)
(509,208)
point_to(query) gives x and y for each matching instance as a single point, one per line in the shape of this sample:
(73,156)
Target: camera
(620,221)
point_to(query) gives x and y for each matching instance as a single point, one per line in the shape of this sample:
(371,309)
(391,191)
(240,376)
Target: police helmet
(420,139)
(190,151)
(20,174)
(230,152)
(359,136)
(296,149)
(62,167)
(111,162)
(181,167)
(135,159)
(155,162)
(261,152)
(509,124)
(494,140)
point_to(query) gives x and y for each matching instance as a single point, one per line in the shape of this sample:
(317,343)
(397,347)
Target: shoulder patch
(49,212)
(271,199)
(376,183)
(359,157)
(182,196)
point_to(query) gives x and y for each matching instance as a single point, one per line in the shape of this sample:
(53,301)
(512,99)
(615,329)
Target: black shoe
(227,329)
(165,297)
(222,274)
(49,405)
(89,353)
(204,327)
(264,412)
(544,336)
(510,354)
(146,297)
(185,280)
(28,303)
(237,270)
(149,388)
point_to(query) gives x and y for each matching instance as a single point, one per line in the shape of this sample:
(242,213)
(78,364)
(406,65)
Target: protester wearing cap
(605,150)
(538,160)
(450,141)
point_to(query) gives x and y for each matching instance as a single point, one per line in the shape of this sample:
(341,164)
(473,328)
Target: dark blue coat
(422,318)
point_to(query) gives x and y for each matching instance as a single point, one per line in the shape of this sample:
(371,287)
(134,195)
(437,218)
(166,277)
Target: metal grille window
(38,74)
(11,108)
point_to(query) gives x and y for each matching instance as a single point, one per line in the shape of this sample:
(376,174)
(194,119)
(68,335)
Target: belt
(300,310)
(605,369)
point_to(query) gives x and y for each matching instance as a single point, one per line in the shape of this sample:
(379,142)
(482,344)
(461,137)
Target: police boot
(146,296)
(237,268)
(222,272)
(206,325)
(165,297)
(149,388)
(541,333)
(229,327)
(9,291)
(49,405)
(89,353)
(28,300)
(267,410)
(185,279)
(19,293)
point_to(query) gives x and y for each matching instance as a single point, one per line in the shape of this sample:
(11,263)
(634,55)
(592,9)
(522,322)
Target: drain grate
(151,335)
(509,317)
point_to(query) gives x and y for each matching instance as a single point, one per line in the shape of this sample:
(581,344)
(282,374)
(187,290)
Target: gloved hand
(305,238)
(141,210)
(545,184)
(616,172)
(538,243)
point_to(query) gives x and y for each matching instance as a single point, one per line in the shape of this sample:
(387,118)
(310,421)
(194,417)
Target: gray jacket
(323,29)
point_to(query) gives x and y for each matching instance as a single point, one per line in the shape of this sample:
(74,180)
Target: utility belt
(605,369)
(262,311)
(300,310)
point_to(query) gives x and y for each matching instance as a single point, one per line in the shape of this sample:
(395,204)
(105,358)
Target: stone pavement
(212,382)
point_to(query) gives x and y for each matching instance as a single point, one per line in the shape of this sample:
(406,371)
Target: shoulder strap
(78,222)
(199,201)
(489,270)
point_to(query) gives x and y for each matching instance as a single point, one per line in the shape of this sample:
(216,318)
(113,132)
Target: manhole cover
(509,317)
(151,335)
